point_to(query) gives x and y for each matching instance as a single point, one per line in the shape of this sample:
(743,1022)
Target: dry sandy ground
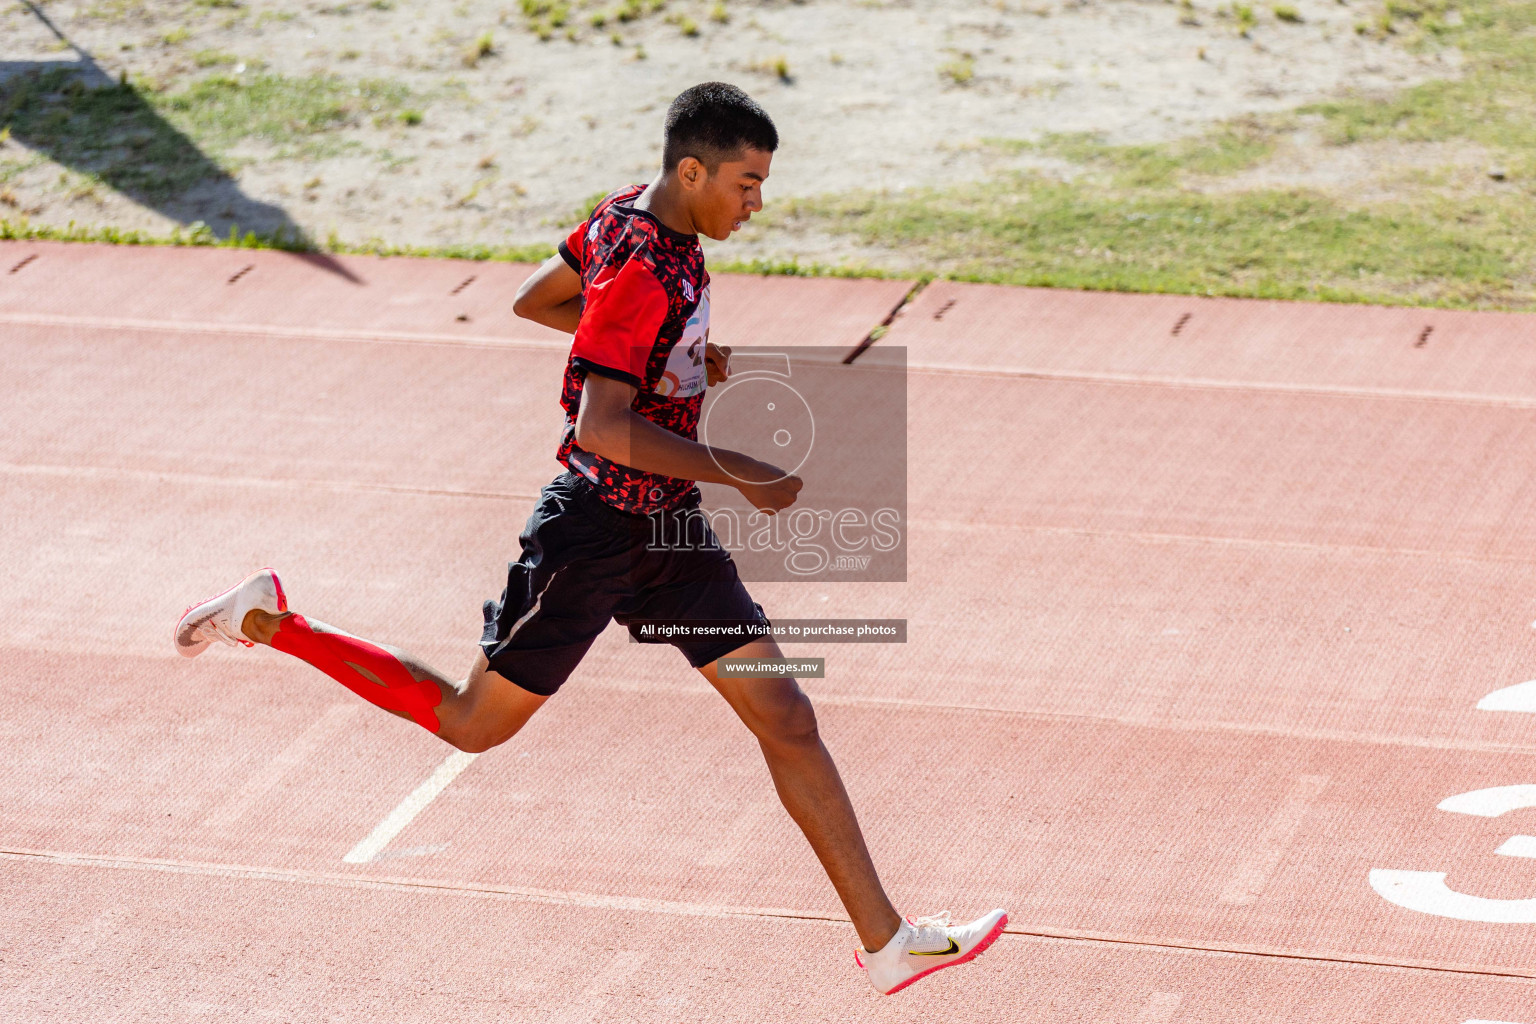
(508,148)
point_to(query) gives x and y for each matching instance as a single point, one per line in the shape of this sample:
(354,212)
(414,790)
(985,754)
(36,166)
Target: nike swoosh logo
(954,947)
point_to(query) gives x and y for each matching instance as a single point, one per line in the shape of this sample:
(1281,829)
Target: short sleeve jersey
(644,321)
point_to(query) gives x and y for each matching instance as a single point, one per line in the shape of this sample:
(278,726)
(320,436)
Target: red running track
(1198,640)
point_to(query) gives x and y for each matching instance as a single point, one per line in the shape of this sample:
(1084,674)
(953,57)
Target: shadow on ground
(103,128)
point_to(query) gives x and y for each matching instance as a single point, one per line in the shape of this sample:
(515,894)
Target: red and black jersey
(644,321)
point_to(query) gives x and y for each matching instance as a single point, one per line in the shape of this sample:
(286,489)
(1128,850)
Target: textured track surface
(1200,623)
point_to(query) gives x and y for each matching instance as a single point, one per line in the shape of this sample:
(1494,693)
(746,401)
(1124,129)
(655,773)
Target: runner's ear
(691,172)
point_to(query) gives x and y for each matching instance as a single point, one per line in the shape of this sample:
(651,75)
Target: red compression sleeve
(364,668)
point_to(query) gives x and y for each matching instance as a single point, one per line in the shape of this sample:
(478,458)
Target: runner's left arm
(552,296)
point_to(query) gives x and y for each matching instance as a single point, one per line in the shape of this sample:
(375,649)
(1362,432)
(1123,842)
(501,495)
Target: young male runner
(630,284)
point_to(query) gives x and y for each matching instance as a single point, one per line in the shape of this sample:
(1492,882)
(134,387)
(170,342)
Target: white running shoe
(220,618)
(926,944)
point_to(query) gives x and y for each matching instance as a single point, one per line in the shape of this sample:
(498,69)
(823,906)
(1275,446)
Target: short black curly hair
(713,122)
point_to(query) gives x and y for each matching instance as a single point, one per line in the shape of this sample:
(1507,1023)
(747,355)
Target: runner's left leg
(474,714)
(781,717)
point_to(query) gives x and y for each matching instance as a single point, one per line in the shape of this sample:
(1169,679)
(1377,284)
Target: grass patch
(794,268)
(1159,218)
(585,207)
(483,47)
(1492,103)
(115,133)
(214,59)
(221,109)
(960,70)
(1029,229)
(155,145)
(775,67)
(1232,147)
(117,10)
(579,19)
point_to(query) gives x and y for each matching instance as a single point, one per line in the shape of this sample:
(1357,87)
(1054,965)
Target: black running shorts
(584,563)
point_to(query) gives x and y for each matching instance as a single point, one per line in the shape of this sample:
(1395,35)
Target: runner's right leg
(473,714)
(476,713)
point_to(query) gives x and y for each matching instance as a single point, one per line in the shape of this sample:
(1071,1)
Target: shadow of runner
(77,115)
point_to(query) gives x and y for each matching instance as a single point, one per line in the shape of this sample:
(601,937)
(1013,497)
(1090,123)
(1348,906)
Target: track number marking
(1520,697)
(1426,891)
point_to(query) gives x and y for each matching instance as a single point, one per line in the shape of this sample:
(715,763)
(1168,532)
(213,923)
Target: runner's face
(731,195)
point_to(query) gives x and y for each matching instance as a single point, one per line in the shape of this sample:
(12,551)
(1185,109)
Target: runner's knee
(473,743)
(782,714)
(481,712)
(477,738)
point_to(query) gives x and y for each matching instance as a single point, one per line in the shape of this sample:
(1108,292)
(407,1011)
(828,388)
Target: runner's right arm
(552,296)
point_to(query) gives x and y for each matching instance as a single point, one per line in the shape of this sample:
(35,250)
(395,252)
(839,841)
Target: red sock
(364,668)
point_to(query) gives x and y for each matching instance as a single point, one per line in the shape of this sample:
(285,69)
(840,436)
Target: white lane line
(409,851)
(1216,384)
(1160,1008)
(320,731)
(676,908)
(1254,872)
(418,886)
(162,476)
(411,806)
(99,323)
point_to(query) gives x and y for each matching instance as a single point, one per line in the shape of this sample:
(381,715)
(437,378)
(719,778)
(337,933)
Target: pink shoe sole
(976,951)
